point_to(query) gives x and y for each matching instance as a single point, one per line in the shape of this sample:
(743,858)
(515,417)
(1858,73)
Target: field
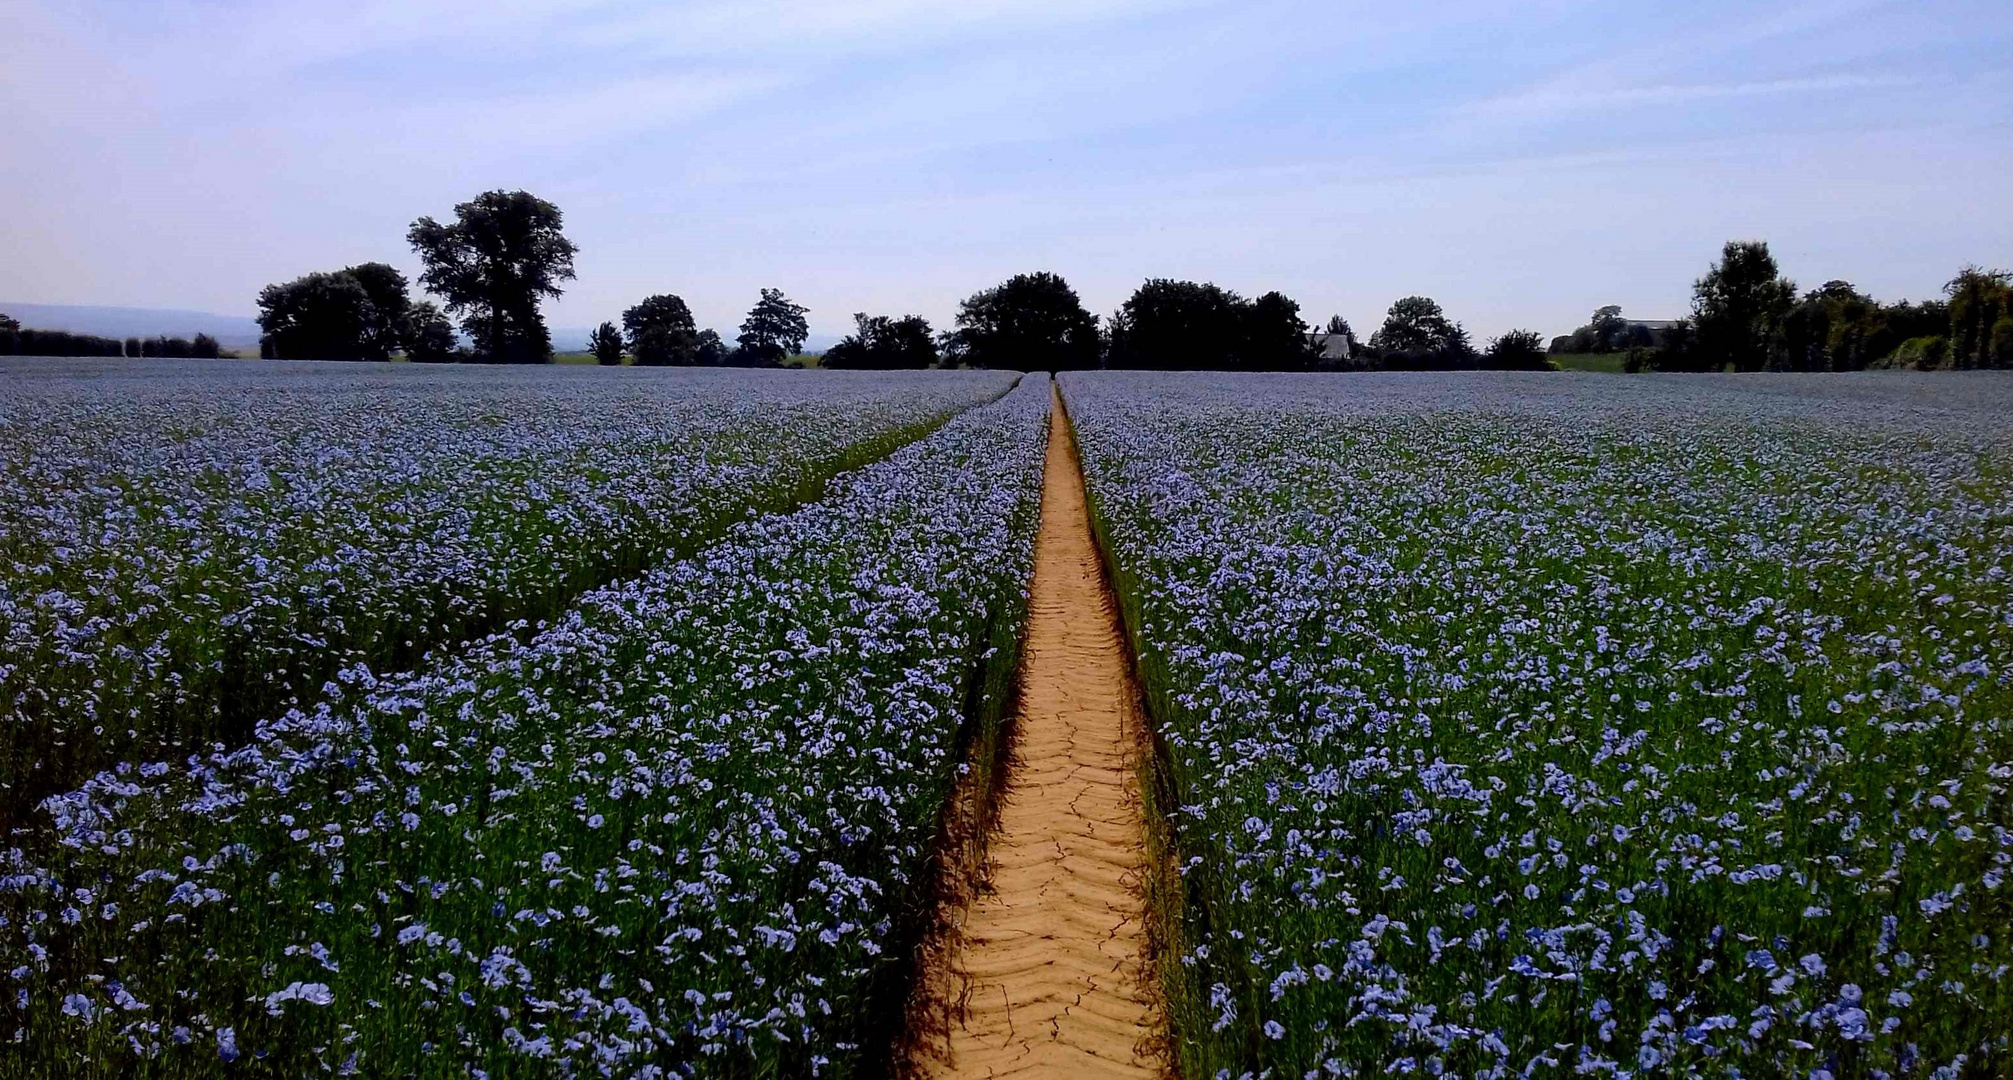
(189,553)
(1539,724)
(476,722)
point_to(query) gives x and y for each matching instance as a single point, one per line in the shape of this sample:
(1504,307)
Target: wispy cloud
(1556,99)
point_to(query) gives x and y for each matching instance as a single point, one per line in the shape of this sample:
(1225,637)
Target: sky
(1521,163)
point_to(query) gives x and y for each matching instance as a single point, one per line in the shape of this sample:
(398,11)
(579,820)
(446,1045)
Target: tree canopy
(1739,306)
(1517,350)
(661,332)
(880,341)
(502,255)
(1030,322)
(429,337)
(318,316)
(1416,333)
(774,329)
(360,312)
(1186,325)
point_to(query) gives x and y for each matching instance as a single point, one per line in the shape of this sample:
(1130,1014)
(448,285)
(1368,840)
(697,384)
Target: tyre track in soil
(1049,963)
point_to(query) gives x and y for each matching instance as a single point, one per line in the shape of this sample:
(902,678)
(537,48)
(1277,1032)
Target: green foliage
(606,345)
(1517,350)
(1187,326)
(880,341)
(320,316)
(503,254)
(1028,322)
(1605,332)
(775,328)
(1927,353)
(429,337)
(1417,334)
(660,332)
(1739,306)
(16,341)
(1979,301)
(711,351)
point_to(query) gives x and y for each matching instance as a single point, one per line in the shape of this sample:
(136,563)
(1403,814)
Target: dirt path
(1051,958)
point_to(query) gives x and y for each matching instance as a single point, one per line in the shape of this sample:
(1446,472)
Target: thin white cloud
(1552,100)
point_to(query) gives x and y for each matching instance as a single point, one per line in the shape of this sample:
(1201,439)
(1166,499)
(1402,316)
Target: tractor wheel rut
(1051,957)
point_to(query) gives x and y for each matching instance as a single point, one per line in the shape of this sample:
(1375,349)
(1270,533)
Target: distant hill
(231,331)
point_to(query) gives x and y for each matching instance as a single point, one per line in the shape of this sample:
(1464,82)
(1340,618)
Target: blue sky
(1522,163)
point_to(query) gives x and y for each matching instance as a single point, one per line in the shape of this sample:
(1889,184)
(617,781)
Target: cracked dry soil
(1050,962)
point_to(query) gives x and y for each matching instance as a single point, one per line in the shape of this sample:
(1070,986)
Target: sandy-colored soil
(1051,959)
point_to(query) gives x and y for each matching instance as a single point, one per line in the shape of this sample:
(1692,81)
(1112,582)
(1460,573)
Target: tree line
(504,253)
(1038,321)
(18,341)
(1746,316)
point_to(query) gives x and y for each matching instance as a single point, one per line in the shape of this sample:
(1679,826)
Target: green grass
(1610,363)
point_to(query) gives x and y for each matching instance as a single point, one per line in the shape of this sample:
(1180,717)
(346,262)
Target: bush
(606,345)
(1924,353)
(1518,350)
(63,343)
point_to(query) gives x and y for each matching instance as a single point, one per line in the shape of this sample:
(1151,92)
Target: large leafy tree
(502,255)
(880,341)
(320,316)
(1416,332)
(661,332)
(1187,326)
(1178,326)
(774,329)
(360,312)
(1031,322)
(1739,306)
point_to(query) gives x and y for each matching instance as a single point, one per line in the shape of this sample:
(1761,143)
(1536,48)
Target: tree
(205,347)
(660,332)
(774,329)
(1029,322)
(1275,337)
(1607,328)
(1739,306)
(384,326)
(1979,299)
(1517,350)
(429,337)
(1416,333)
(1178,326)
(502,255)
(712,351)
(882,342)
(319,316)
(606,345)
(9,324)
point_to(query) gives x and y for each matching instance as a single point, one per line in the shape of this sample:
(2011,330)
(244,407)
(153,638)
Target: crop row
(1517,727)
(690,823)
(186,553)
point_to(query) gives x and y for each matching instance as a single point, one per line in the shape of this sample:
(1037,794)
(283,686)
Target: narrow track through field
(1051,960)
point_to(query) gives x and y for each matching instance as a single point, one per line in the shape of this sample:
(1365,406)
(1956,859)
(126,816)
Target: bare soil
(1047,967)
